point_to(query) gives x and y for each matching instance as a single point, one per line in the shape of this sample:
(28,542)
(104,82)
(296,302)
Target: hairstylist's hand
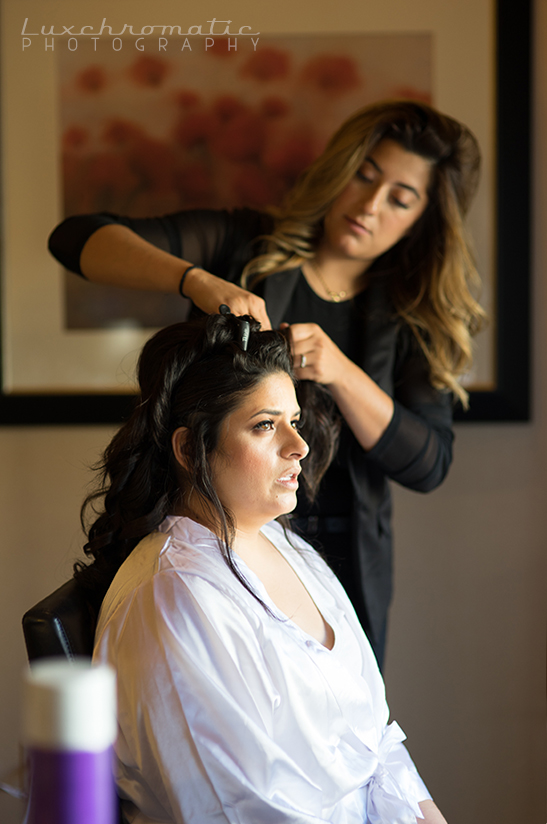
(316,356)
(366,408)
(208,291)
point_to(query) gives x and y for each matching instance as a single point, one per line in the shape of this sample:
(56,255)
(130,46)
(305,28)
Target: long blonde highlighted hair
(432,272)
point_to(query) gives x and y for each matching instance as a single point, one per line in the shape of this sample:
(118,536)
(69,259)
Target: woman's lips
(357,227)
(290,480)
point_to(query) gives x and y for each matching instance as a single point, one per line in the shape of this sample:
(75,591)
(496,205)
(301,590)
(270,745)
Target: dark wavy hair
(190,375)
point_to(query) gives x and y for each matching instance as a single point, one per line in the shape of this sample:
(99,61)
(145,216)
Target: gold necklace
(335,297)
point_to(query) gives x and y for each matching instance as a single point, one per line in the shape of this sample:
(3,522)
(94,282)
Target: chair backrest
(62,624)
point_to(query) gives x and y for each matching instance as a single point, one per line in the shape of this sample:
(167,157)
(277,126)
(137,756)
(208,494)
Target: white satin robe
(229,714)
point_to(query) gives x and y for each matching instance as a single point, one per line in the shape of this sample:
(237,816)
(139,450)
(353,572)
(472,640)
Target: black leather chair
(62,624)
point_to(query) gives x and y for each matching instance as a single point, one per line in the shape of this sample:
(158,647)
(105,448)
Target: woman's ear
(178,445)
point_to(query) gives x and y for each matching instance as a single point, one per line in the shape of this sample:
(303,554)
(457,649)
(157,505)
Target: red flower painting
(190,128)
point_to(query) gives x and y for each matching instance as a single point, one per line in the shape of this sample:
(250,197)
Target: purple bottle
(69,727)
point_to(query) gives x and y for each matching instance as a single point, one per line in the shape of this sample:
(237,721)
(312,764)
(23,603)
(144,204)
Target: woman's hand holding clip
(208,291)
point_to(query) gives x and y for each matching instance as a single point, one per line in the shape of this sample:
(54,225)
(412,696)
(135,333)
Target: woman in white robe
(248,692)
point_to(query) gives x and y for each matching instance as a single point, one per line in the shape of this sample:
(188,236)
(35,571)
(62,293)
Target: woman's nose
(372,200)
(297,446)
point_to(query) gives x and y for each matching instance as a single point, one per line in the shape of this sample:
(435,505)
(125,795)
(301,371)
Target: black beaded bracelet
(183,278)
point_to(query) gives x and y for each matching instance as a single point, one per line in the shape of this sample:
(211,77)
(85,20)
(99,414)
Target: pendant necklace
(335,297)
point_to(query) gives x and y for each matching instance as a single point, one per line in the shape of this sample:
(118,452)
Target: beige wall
(43,480)
(466,657)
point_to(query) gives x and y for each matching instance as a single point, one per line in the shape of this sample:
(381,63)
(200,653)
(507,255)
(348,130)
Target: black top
(416,448)
(340,321)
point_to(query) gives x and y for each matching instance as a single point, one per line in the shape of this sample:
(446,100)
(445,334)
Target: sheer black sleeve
(69,238)
(416,448)
(221,242)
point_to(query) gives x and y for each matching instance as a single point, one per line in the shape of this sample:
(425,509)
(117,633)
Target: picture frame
(510,400)
(509,397)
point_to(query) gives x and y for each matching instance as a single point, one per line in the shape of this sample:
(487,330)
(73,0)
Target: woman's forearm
(366,408)
(369,411)
(116,256)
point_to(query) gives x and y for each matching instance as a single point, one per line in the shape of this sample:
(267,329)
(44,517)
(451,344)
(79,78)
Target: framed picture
(68,351)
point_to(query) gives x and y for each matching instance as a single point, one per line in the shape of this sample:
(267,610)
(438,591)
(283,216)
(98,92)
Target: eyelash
(261,425)
(362,176)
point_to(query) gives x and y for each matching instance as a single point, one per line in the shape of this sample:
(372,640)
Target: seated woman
(248,691)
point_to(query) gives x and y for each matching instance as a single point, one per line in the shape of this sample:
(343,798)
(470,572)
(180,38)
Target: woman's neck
(245,539)
(332,263)
(335,278)
(248,543)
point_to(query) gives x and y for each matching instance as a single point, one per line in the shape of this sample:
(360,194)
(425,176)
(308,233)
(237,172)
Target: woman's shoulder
(181,549)
(189,549)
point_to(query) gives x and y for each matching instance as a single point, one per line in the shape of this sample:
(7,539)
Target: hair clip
(244,327)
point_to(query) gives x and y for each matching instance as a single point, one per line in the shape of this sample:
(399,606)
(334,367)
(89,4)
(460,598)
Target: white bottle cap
(69,706)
